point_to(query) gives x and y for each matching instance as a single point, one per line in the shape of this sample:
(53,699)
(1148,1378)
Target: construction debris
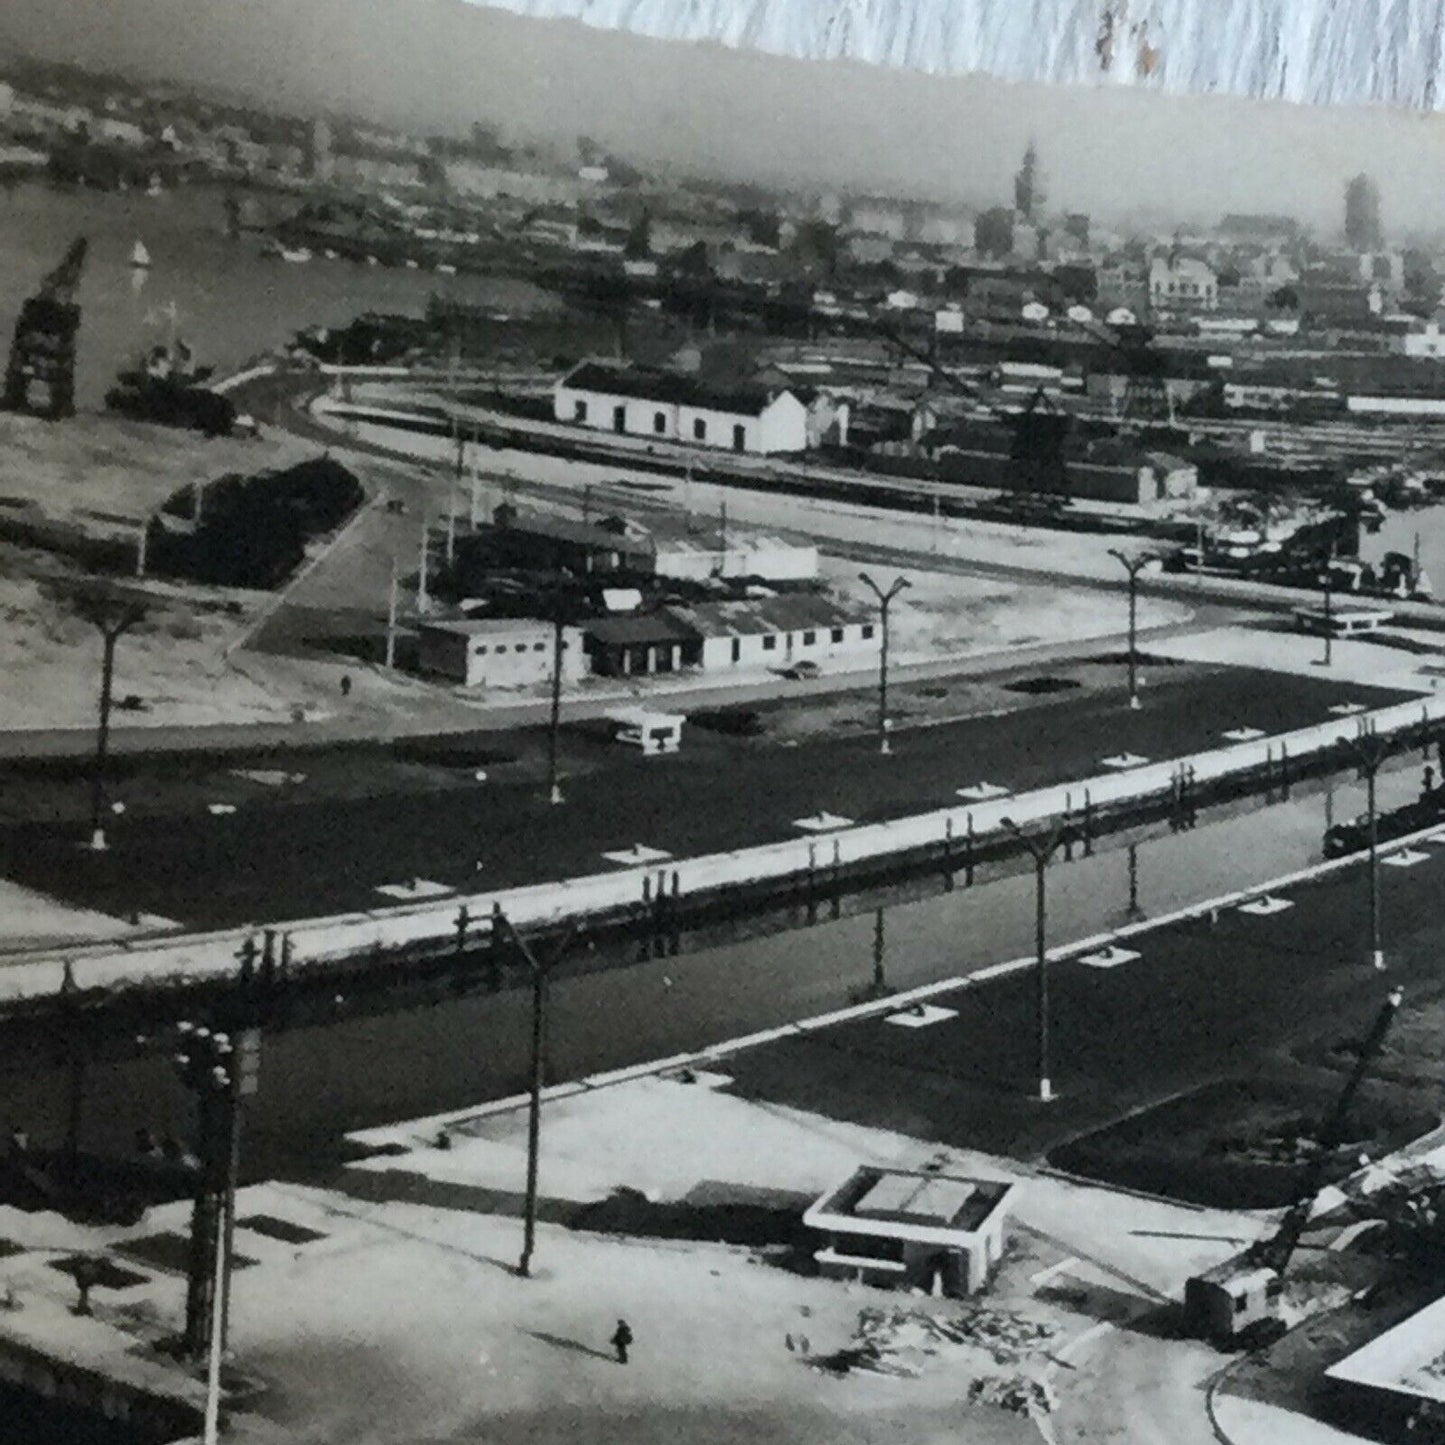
(903,1342)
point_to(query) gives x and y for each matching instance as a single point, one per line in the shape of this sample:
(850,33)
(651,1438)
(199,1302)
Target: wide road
(263,841)
(1206,998)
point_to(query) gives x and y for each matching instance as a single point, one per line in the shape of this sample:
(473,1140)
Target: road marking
(638,853)
(921,1016)
(1266,906)
(1111,957)
(1408,859)
(1347,709)
(822,823)
(416,888)
(983,792)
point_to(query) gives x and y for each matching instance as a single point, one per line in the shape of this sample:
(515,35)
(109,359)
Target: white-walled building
(1182,283)
(498,651)
(664,406)
(935,1232)
(777,632)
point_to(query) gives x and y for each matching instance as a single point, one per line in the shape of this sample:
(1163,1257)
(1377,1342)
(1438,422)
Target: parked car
(804,671)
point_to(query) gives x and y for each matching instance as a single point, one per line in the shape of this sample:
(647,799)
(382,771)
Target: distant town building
(498,652)
(1182,283)
(1428,339)
(935,1232)
(318,155)
(666,406)
(1363,228)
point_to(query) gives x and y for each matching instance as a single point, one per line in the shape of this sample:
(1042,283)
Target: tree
(816,244)
(1029,185)
(1363,231)
(993,232)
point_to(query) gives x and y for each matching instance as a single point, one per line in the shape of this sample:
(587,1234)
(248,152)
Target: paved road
(1207,998)
(327,843)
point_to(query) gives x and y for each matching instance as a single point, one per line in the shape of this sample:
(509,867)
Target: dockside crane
(40,374)
(1237,1302)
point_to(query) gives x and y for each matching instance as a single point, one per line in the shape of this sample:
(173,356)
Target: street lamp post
(541,972)
(554,786)
(1133,565)
(1369,751)
(885,599)
(113,617)
(1041,847)
(1329,609)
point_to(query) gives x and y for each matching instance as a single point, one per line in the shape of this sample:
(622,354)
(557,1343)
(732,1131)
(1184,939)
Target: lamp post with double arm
(1134,564)
(885,598)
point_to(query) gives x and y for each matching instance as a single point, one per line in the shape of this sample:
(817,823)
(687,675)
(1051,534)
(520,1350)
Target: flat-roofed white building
(938,1232)
(498,651)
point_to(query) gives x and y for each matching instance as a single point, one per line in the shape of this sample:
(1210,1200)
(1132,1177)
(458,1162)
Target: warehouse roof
(669,386)
(765,615)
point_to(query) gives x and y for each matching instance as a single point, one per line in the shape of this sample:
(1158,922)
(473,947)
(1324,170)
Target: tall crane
(1041,429)
(40,375)
(1239,1299)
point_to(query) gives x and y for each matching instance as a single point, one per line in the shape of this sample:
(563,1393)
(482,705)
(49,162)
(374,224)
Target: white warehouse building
(665,406)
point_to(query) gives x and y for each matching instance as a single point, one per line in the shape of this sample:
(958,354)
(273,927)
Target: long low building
(771,632)
(668,406)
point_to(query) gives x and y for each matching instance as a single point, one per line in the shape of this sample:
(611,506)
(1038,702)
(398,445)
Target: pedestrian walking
(621,1339)
(345,685)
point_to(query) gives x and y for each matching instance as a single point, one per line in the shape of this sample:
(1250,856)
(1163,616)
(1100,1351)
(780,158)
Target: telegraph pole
(423,602)
(554,785)
(1041,846)
(541,973)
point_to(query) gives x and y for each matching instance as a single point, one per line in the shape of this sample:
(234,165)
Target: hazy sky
(432,64)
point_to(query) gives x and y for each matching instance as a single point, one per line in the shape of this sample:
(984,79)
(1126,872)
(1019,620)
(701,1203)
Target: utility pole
(541,975)
(1327,582)
(885,599)
(391,602)
(112,617)
(1369,750)
(1042,847)
(1133,565)
(423,602)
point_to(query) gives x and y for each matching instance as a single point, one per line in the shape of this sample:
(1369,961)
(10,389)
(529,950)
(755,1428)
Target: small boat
(444,269)
(139,256)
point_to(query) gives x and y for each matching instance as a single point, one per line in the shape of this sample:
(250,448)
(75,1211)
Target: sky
(441,64)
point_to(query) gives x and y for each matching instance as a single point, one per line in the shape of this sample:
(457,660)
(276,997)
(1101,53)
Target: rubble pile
(902,1342)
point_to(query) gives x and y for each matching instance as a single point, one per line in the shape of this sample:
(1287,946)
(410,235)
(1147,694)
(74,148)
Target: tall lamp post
(1041,846)
(541,971)
(885,599)
(1369,750)
(1327,582)
(112,617)
(1133,565)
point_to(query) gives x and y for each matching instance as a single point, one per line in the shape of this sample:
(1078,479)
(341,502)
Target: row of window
(481,649)
(810,638)
(659,424)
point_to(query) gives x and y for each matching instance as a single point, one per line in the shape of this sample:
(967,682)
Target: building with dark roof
(667,406)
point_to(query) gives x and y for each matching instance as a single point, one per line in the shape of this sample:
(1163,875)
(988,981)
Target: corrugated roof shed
(759,616)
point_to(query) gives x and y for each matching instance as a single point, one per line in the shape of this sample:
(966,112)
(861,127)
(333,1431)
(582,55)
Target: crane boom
(1276,1251)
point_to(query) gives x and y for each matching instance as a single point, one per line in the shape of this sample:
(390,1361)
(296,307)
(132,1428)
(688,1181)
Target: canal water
(364,1062)
(230,303)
